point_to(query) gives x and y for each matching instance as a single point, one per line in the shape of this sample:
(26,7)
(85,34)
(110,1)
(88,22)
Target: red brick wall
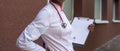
(14,17)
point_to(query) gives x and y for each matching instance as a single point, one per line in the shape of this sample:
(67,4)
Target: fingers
(91,27)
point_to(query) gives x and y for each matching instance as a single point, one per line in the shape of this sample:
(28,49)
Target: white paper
(80,29)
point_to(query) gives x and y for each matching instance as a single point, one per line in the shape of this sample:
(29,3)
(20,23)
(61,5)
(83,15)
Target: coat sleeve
(33,31)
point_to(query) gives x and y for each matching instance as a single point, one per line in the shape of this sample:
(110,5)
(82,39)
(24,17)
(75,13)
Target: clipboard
(80,30)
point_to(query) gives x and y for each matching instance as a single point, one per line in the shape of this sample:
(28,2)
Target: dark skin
(60,2)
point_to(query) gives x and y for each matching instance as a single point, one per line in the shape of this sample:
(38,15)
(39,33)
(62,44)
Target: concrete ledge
(112,45)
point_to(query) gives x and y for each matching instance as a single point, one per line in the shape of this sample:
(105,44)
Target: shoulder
(48,8)
(45,12)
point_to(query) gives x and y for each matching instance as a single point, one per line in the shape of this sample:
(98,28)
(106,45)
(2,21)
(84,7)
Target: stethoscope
(63,24)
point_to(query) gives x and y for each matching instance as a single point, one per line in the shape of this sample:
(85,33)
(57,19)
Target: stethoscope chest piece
(64,25)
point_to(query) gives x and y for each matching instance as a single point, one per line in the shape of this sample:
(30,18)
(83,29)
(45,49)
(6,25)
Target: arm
(33,31)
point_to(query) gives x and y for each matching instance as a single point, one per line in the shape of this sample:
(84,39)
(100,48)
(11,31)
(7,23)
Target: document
(80,30)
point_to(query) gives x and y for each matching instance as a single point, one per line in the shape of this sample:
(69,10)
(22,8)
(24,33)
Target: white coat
(47,24)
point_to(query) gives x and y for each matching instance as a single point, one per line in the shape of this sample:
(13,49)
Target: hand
(91,27)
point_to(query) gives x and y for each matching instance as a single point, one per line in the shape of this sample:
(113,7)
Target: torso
(56,37)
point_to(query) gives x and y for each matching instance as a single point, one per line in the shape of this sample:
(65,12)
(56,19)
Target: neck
(60,5)
(56,2)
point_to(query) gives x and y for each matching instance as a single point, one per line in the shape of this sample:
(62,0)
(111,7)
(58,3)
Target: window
(68,8)
(116,12)
(98,12)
